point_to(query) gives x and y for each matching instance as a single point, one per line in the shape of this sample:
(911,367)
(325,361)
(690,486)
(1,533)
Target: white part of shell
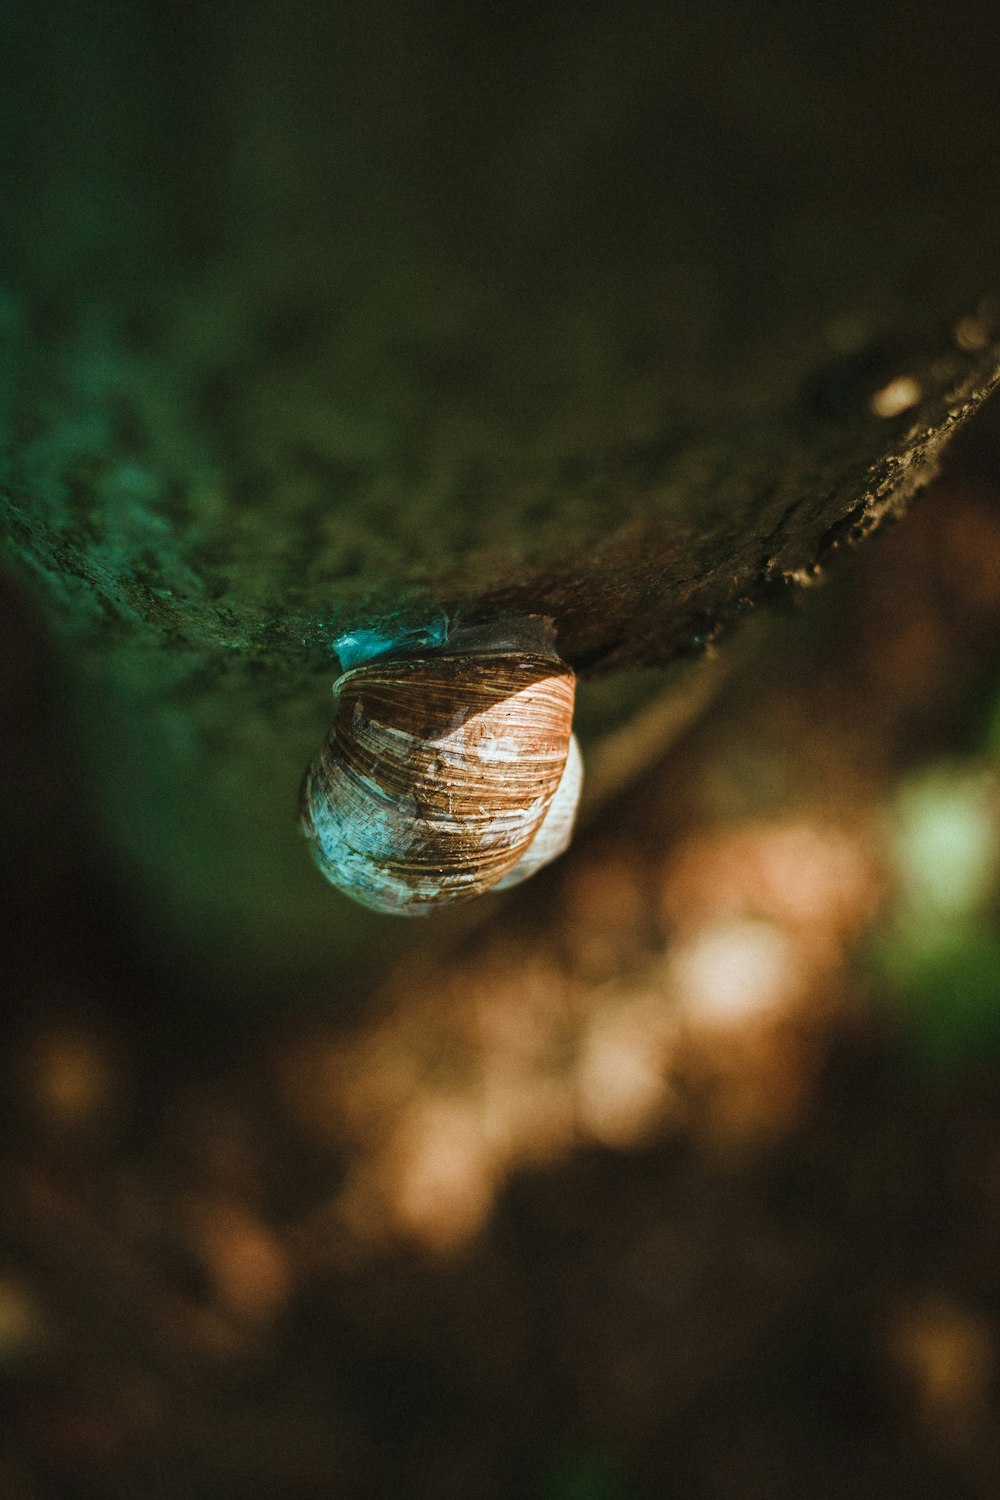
(556,831)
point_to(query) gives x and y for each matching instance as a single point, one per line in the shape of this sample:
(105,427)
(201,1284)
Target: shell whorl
(438,774)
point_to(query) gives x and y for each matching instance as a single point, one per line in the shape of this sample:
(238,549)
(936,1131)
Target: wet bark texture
(315,317)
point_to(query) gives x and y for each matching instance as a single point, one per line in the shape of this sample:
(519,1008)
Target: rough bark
(319,316)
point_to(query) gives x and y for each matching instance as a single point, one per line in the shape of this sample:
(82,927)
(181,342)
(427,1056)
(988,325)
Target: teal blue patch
(355,647)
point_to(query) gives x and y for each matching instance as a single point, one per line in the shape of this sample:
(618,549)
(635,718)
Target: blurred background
(677,1172)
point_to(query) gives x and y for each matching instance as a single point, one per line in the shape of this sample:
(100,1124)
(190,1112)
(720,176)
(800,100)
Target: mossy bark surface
(317,317)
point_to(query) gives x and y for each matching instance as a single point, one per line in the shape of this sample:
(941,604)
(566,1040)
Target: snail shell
(444,776)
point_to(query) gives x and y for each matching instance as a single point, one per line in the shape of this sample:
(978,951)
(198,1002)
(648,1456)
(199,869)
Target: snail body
(445,774)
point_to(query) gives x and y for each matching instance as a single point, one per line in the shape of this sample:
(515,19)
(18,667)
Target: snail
(451,768)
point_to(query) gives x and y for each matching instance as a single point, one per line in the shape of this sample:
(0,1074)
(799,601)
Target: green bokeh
(582,1474)
(949,981)
(944,840)
(941,951)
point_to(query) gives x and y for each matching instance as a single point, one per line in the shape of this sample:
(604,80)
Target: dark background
(678,1171)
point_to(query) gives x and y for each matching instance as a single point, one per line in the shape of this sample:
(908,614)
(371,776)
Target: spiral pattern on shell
(443,776)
